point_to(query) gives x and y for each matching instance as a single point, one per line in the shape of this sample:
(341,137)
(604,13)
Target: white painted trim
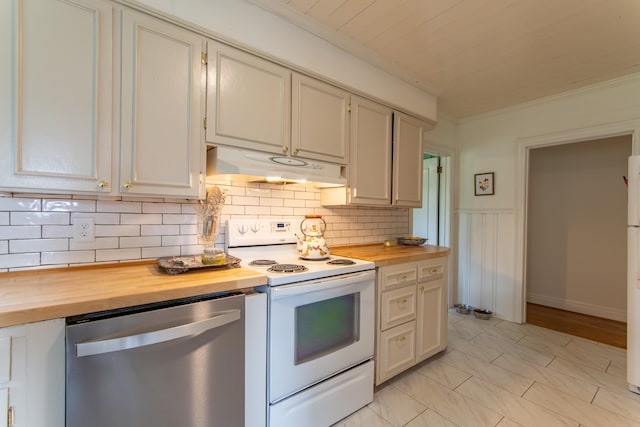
(608,130)
(579,307)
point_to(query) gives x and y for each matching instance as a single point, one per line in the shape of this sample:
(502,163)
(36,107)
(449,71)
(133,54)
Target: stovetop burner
(287,268)
(262,262)
(341,261)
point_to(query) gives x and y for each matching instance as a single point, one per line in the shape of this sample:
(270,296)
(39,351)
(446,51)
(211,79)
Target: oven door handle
(91,348)
(321,285)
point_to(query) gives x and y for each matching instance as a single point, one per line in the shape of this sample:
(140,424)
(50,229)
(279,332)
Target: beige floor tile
(507,346)
(513,406)
(576,409)
(583,390)
(586,358)
(365,417)
(555,337)
(396,406)
(617,369)
(493,374)
(590,375)
(507,422)
(478,350)
(430,418)
(444,374)
(449,404)
(627,406)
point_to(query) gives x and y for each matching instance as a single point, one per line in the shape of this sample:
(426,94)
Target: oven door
(317,329)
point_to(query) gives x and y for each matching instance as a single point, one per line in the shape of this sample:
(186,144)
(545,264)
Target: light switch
(5,360)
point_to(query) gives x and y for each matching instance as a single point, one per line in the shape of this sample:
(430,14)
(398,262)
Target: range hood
(268,167)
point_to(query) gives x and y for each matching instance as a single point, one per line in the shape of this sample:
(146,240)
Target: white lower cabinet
(411,321)
(33,391)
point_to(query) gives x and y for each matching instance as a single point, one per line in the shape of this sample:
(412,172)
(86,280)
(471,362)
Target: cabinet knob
(127,185)
(103,184)
(421,288)
(285,149)
(296,151)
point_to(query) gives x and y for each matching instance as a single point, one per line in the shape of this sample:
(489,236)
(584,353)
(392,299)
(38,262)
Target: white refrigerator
(633,276)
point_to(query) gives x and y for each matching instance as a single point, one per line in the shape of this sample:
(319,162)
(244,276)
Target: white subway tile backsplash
(15,204)
(140,242)
(72,205)
(179,219)
(151,230)
(57,231)
(161,251)
(19,260)
(118,254)
(38,218)
(98,243)
(119,206)
(68,257)
(179,240)
(141,218)
(8,232)
(148,208)
(140,228)
(38,245)
(117,230)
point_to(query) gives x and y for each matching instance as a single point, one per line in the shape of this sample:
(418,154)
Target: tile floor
(498,373)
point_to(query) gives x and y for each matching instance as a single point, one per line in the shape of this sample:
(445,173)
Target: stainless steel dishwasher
(178,363)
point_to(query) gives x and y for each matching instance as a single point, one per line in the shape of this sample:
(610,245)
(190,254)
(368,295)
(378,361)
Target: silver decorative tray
(181,264)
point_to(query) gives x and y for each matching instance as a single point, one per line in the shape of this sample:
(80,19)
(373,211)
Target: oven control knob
(242,229)
(255,227)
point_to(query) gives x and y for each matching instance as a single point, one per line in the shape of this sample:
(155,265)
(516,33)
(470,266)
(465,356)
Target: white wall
(491,239)
(245,24)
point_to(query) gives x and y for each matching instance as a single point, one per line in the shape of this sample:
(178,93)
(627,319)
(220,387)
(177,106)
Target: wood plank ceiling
(480,55)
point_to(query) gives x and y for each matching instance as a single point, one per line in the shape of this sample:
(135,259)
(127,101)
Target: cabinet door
(320,123)
(370,153)
(431,320)
(407,161)
(4,407)
(161,146)
(248,100)
(55,83)
(396,351)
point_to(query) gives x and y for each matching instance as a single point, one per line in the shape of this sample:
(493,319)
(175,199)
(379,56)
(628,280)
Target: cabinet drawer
(397,351)
(431,269)
(397,306)
(397,275)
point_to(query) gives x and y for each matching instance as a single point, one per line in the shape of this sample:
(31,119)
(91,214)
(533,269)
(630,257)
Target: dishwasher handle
(91,348)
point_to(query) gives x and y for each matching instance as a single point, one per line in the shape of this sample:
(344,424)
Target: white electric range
(320,324)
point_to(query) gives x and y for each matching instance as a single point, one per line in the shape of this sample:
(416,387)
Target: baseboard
(619,315)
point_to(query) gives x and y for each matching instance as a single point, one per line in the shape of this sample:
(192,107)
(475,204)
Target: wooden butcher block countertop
(30,296)
(388,255)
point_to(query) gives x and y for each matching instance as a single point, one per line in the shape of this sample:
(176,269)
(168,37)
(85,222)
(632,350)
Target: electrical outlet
(84,230)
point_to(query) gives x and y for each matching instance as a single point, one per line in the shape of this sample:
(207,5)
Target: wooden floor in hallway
(581,325)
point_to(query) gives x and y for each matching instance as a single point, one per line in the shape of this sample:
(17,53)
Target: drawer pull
(421,288)
(402,301)
(401,339)
(402,278)
(434,270)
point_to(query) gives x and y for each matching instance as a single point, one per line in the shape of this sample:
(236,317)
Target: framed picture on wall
(483,184)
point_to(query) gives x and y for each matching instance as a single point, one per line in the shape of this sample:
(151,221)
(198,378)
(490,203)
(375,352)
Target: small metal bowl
(463,308)
(482,313)
(412,241)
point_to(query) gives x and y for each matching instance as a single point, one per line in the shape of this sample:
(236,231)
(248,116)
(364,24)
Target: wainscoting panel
(487,262)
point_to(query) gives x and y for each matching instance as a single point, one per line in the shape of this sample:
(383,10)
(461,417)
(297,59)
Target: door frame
(628,127)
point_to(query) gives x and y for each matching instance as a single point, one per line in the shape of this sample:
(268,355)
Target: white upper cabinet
(407,161)
(370,153)
(248,100)
(162,94)
(55,86)
(374,178)
(320,120)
